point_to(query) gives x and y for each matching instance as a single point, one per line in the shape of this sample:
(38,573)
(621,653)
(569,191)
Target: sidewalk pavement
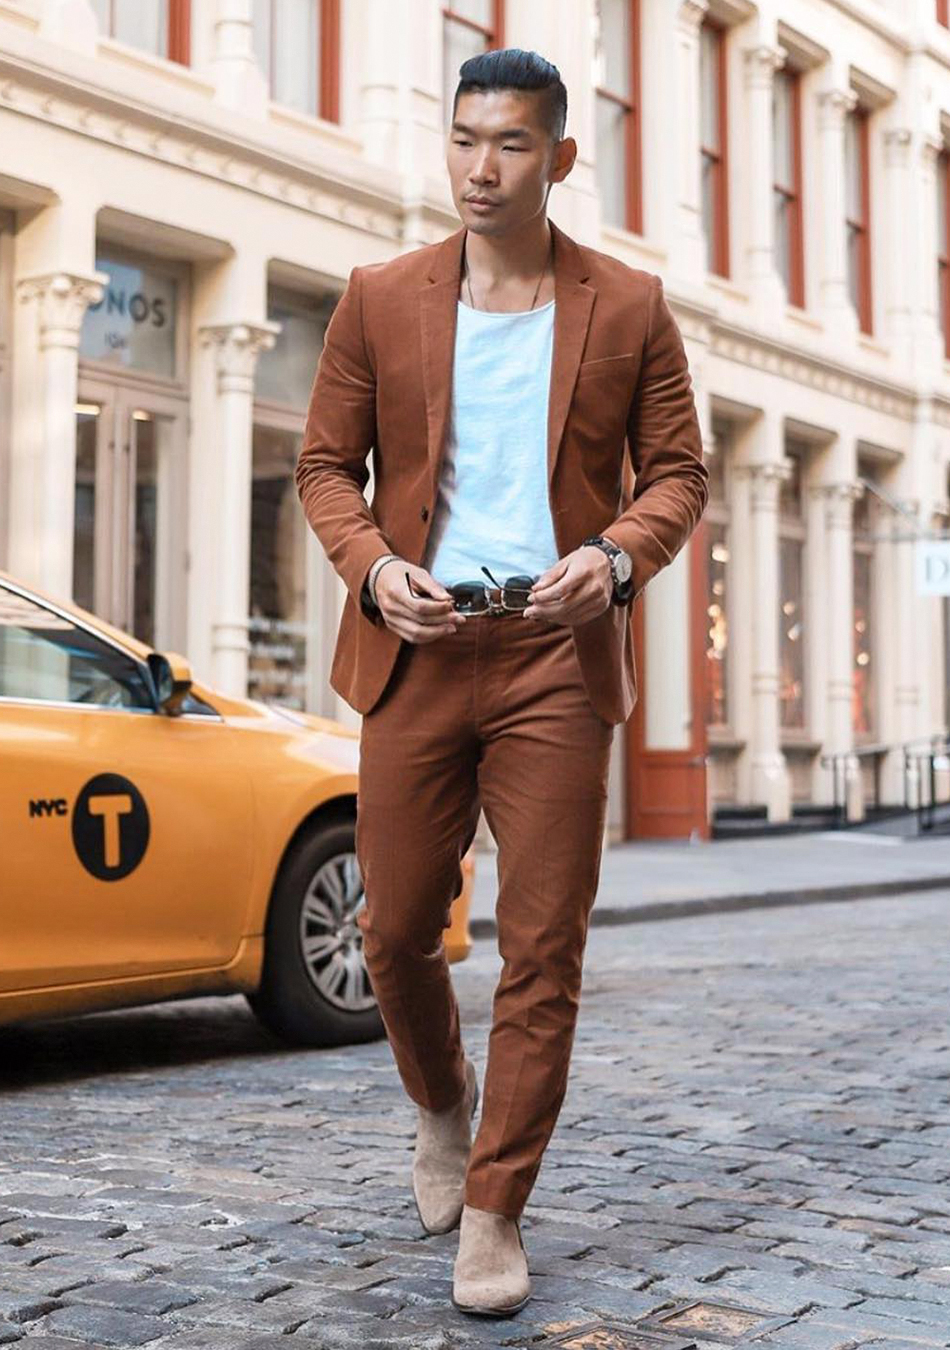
(671,879)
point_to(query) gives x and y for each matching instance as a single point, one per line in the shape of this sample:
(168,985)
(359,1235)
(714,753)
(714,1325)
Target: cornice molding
(812,372)
(330,191)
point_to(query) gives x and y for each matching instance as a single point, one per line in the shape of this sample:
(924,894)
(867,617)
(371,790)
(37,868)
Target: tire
(321,995)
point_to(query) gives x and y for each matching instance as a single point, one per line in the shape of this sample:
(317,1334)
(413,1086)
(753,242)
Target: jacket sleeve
(340,431)
(666,449)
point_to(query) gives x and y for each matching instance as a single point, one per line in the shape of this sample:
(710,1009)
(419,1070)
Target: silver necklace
(536,289)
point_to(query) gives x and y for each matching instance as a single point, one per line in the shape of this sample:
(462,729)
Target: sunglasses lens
(470,597)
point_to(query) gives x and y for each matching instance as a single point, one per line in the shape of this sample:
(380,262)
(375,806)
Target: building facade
(185,186)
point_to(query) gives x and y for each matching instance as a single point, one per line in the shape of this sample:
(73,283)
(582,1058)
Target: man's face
(499,150)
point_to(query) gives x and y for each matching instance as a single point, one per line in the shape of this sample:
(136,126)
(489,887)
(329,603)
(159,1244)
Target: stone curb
(611,916)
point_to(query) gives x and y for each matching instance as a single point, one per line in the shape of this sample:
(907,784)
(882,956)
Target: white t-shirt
(492,505)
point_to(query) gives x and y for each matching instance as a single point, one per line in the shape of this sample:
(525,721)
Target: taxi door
(128,833)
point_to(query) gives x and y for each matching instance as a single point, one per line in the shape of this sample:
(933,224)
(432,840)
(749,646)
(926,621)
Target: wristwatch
(621,567)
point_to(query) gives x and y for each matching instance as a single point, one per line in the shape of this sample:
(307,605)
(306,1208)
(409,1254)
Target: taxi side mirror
(171,679)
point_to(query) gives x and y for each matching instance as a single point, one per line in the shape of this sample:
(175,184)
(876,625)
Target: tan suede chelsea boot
(491,1269)
(443,1144)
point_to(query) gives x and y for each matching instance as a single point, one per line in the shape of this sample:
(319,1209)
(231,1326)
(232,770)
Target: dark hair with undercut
(523,72)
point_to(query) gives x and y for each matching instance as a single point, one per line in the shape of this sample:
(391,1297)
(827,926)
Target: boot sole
(458,1218)
(508,1311)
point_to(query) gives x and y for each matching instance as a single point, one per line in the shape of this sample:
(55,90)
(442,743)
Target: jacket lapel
(573,304)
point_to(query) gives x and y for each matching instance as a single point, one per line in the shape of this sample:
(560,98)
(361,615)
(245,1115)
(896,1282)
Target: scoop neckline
(506,313)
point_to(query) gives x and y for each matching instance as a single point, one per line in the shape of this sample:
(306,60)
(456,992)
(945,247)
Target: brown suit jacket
(383,383)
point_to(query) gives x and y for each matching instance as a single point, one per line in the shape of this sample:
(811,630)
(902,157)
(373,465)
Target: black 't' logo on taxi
(110,826)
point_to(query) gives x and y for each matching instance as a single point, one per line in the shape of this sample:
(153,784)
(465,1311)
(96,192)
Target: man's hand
(416,620)
(577,588)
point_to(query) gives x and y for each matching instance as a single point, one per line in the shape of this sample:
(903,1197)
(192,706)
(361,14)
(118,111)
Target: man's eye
(513,147)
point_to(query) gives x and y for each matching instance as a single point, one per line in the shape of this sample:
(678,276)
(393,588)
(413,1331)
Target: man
(496,376)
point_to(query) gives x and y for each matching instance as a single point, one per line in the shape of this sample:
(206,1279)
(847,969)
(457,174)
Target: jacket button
(424,513)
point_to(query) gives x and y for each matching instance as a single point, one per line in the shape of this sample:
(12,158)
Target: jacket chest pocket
(602,396)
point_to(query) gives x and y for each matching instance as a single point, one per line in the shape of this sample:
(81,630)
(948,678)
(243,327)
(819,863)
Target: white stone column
(765,283)
(769,779)
(236,347)
(238,79)
(903,263)
(69,23)
(927,345)
(839,499)
(43,451)
(838,313)
(687,246)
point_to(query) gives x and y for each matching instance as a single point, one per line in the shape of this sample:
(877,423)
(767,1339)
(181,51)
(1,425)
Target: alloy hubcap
(331,941)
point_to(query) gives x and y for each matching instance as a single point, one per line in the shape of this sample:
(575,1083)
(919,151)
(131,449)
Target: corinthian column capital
(690,13)
(236,349)
(834,105)
(62,299)
(761,62)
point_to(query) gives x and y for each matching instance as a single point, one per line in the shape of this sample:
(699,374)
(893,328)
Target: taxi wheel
(314,988)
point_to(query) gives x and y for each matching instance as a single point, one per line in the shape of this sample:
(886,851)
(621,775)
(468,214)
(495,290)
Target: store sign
(133,325)
(933,567)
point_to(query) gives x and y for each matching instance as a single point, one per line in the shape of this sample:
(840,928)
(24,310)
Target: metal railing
(839,761)
(923,767)
(926,770)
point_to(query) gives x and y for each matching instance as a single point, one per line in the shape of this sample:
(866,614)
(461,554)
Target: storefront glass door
(128,559)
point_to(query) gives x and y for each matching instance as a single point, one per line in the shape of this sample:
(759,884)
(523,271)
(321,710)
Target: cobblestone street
(754,1150)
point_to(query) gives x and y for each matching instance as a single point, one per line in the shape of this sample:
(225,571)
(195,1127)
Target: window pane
(942,204)
(942,278)
(278,627)
(791,633)
(613,48)
(46,657)
(295,55)
(790,489)
(709,87)
(863,688)
(782,129)
(717,627)
(458,44)
(84,529)
(142,23)
(143,449)
(285,371)
(611,161)
(709,210)
(854,266)
(783,237)
(852,164)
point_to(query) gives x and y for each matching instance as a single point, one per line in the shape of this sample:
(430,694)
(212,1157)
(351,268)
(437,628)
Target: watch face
(624,566)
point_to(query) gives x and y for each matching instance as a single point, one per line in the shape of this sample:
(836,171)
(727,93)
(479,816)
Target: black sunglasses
(473,597)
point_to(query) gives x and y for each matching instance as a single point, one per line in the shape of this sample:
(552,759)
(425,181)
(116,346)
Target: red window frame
(630,102)
(493,36)
(943,256)
(943,12)
(861,226)
(327,59)
(793,195)
(718,157)
(178,37)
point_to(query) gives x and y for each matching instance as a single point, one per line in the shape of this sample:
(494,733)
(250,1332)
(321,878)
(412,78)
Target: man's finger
(551,575)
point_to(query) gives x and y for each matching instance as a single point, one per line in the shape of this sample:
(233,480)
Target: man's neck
(498,263)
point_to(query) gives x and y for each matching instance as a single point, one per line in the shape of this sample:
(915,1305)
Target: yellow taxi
(163,840)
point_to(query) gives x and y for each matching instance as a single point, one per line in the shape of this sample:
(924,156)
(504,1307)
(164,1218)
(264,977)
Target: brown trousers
(494,715)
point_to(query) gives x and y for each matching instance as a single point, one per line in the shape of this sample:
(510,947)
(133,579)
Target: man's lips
(480,201)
